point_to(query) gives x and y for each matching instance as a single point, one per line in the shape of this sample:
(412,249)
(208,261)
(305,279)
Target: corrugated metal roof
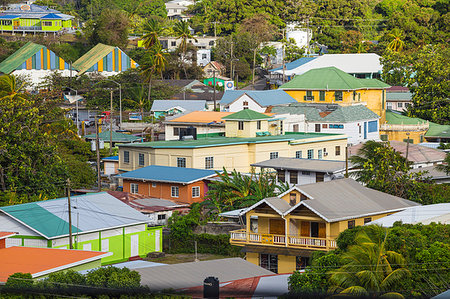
(116,137)
(436,130)
(345,199)
(330,78)
(246,114)
(419,214)
(186,275)
(92,57)
(398,96)
(20,56)
(356,63)
(188,105)
(294,64)
(341,114)
(35,12)
(51,16)
(91,212)
(327,166)
(168,174)
(9,17)
(200,117)
(263,97)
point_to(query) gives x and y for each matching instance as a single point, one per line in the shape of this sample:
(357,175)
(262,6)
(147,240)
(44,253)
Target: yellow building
(256,137)
(282,232)
(402,128)
(331,85)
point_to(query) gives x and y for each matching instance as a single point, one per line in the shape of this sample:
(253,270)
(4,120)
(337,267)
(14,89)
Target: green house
(100,222)
(24,18)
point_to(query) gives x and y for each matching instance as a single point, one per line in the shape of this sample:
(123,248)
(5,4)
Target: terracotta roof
(144,204)
(4,235)
(416,153)
(42,261)
(201,117)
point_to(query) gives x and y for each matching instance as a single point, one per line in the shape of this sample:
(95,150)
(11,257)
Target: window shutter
(305,232)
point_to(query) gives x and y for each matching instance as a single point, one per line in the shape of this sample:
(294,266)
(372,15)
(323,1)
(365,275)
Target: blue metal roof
(90,213)
(294,64)
(168,174)
(9,17)
(51,16)
(113,158)
(262,97)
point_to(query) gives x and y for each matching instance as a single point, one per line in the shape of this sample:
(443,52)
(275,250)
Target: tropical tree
(445,167)
(183,32)
(238,190)
(369,268)
(152,30)
(154,65)
(396,43)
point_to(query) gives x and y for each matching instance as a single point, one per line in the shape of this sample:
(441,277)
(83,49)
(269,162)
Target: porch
(242,237)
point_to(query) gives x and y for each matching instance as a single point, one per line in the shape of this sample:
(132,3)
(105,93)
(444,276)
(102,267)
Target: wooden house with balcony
(282,232)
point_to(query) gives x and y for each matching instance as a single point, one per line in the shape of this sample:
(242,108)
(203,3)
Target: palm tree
(369,267)
(155,64)
(10,88)
(182,31)
(153,29)
(396,43)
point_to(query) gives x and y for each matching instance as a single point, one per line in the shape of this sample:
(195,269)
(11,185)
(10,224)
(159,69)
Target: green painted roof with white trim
(16,59)
(92,57)
(246,114)
(435,130)
(331,78)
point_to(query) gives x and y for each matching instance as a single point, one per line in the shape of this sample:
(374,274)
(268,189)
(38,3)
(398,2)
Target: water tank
(211,287)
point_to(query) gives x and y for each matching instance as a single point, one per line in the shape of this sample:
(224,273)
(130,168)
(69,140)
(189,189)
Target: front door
(276,227)
(157,240)
(314,229)
(317,128)
(134,239)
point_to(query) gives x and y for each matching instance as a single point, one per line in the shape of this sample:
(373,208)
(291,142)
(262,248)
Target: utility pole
(97,149)
(215,30)
(111,124)
(70,214)
(231,59)
(346,161)
(407,147)
(284,65)
(237,82)
(214,94)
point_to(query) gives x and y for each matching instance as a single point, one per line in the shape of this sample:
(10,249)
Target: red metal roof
(4,235)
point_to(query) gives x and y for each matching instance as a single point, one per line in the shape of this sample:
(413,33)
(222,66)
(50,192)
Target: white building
(203,57)
(302,36)
(358,122)
(257,100)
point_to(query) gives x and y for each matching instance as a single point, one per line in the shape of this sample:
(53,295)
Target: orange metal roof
(41,261)
(4,235)
(201,117)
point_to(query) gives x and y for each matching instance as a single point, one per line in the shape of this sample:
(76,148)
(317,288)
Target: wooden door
(322,231)
(305,229)
(276,227)
(317,127)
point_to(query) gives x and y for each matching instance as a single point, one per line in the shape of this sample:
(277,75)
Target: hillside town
(224,149)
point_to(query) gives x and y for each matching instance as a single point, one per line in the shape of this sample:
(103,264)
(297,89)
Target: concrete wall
(238,105)
(416,136)
(249,130)
(201,129)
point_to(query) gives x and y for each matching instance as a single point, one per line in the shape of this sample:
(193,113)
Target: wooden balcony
(242,237)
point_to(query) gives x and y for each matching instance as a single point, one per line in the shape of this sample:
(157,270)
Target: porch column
(247,226)
(286,230)
(328,234)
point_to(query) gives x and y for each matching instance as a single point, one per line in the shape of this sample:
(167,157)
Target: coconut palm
(446,166)
(10,88)
(396,43)
(369,267)
(182,31)
(156,64)
(152,30)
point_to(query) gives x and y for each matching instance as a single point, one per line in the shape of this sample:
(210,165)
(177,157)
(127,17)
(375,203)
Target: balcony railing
(243,237)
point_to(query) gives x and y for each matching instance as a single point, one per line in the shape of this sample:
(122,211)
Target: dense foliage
(424,248)
(382,168)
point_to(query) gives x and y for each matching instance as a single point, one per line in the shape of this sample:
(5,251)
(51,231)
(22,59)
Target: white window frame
(153,185)
(310,154)
(196,191)
(141,159)
(181,161)
(175,191)
(298,154)
(126,157)
(134,188)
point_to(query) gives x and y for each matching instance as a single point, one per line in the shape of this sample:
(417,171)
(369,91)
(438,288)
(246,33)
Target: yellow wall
(252,257)
(286,264)
(372,97)
(250,128)
(237,156)
(401,135)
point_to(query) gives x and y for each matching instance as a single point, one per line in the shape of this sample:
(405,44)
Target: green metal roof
(342,114)
(437,130)
(20,56)
(331,78)
(223,141)
(399,119)
(116,137)
(92,57)
(246,114)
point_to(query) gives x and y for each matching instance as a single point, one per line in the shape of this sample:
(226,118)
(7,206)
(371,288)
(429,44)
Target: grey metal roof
(156,202)
(188,105)
(327,166)
(336,113)
(432,172)
(345,199)
(279,204)
(35,12)
(186,275)
(419,214)
(398,96)
(263,97)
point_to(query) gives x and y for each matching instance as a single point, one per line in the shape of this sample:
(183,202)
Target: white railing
(238,235)
(305,241)
(403,127)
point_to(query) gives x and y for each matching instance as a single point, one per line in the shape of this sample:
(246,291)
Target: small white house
(256,100)
(203,57)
